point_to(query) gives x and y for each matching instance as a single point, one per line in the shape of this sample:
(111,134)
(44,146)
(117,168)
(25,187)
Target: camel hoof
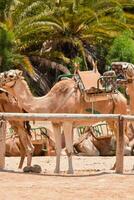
(70,172)
(36,169)
(113,168)
(27,169)
(56,171)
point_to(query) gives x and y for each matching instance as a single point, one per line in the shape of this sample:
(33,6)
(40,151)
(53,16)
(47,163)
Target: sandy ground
(92,180)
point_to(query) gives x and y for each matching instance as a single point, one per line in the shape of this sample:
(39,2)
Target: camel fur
(127,74)
(9,104)
(64,97)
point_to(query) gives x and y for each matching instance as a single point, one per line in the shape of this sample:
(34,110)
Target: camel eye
(11,76)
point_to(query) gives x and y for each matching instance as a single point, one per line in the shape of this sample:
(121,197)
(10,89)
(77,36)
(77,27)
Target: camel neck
(130,91)
(23,94)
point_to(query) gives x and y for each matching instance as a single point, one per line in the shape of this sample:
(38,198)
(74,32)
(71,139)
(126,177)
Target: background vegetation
(45,38)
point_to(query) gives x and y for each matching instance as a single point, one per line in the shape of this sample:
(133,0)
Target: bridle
(126,74)
(13,84)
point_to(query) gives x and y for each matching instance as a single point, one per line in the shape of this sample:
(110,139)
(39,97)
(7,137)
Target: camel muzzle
(123,70)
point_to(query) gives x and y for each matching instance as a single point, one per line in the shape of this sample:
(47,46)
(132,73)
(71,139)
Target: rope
(113,108)
(2,119)
(92,107)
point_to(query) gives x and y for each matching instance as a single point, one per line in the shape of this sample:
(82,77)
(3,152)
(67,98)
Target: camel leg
(26,151)
(30,150)
(21,161)
(22,157)
(22,153)
(26,142)
(29,158)
(114,166)
(67,127)
(57,133)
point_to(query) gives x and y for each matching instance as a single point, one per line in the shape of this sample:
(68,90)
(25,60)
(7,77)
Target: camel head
(123,70)
(8,78)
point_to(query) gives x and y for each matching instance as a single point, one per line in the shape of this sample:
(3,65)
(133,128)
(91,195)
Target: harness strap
(13,85)
(92,107)
(3,108)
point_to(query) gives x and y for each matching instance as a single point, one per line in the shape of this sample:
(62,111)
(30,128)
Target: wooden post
(120,146)
(2,143)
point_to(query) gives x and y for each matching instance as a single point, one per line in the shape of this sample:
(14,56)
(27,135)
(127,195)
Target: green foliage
(6,38)
(64,22)
(78,64)
(68,24)
(122,48)
(9,57)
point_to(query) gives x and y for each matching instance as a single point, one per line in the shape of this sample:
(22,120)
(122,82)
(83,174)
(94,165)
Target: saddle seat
(91,86)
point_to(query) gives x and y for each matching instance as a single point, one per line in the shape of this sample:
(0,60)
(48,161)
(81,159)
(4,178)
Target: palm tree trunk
(51,64)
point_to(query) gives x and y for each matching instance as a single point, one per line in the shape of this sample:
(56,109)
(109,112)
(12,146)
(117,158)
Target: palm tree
(68,26)
(128,8)
(9,57)
(71,28)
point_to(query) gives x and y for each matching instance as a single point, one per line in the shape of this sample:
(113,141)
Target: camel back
(95,87)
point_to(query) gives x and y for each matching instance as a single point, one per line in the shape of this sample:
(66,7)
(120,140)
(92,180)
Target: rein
(13,84)
(130,81)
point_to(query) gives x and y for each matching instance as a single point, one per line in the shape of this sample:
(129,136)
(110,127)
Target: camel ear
(19,72)
(1,77)
(5,74)
(131,69)
(95,68)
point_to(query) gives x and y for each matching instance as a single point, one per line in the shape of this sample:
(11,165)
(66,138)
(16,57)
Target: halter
(13,84)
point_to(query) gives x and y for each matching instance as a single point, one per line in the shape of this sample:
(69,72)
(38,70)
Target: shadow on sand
(77,173)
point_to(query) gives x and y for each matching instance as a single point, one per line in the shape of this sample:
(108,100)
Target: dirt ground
(92,180)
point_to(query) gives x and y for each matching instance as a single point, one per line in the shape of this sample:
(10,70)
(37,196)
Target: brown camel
(42,142)
(128,72)
(125,71)
(9,104)
(64,97)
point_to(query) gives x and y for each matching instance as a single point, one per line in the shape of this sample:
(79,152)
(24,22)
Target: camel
(42,142)
(128,73)
(125,72)
(64,97)
(9,104)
